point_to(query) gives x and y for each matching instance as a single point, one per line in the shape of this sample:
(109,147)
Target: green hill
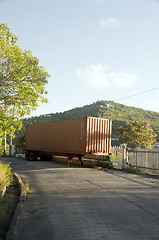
(119,114)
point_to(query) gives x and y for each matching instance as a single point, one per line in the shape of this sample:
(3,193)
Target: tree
(139,133)
(22,82)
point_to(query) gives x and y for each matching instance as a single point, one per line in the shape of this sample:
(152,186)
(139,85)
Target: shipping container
(72,137)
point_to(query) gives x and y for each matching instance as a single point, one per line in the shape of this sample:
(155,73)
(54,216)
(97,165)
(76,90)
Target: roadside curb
(16,225)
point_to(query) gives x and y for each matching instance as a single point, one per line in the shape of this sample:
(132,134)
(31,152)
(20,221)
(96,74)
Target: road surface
(74,203)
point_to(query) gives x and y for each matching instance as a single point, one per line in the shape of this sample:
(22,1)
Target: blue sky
(93,49)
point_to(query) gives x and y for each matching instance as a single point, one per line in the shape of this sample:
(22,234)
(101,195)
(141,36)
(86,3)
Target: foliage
(22,82)
(6,175)
(139,133)
(104,165)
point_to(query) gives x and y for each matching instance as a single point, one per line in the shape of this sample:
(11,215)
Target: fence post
(146,160)
(124,157)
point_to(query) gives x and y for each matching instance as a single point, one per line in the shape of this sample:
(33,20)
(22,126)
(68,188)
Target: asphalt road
(72,203)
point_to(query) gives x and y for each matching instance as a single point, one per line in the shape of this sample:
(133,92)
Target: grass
(27,187)
(101,168)
(6,176)
(133,170)
(103,165)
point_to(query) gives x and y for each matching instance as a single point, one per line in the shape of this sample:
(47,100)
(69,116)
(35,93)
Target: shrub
(6,176)
(104,164)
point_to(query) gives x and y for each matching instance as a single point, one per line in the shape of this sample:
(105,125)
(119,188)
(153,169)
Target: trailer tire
(27,155)
(32,156)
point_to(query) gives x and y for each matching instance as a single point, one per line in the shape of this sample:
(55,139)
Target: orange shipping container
(72,137)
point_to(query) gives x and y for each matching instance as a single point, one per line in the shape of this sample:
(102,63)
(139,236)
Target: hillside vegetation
(119,114)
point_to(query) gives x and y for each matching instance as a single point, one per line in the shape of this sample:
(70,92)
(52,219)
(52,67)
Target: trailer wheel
(27,154)
(33,156)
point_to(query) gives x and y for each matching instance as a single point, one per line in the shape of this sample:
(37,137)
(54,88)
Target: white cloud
(99,76)
(99,1)
(112,23)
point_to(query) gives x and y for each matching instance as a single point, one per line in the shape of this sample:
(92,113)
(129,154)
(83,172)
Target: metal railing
(144,159)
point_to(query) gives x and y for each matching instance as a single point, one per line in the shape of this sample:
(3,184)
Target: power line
(133,95)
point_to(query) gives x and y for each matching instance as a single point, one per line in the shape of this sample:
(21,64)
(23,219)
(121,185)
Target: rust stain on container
(73,136)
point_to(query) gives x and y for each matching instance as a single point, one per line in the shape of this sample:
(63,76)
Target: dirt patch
(8,205)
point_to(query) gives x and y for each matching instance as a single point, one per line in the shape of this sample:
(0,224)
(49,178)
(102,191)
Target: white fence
(144,159)
(117,157)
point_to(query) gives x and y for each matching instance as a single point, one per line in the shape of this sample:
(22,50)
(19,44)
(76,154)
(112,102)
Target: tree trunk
(5,144)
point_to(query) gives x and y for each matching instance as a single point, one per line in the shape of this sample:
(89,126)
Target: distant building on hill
(107,105)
